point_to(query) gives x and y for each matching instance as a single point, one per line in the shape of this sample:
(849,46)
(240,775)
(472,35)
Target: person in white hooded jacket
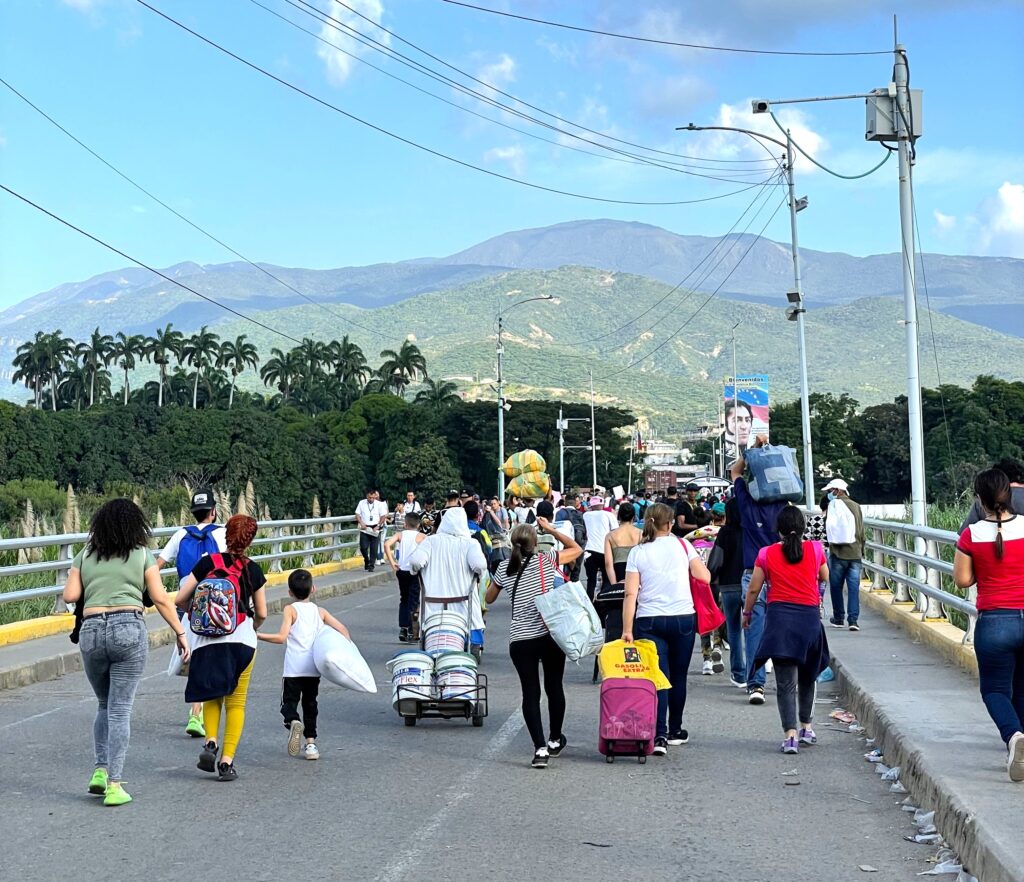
(449,563)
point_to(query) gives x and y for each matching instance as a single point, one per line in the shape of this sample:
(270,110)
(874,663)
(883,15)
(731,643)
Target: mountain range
(603,274)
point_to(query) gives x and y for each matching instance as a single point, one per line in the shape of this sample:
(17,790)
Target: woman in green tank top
(107,578)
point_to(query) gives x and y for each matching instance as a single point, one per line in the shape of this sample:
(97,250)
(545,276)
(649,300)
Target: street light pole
(918,505)
(805,404)
(500,348)
(593,439)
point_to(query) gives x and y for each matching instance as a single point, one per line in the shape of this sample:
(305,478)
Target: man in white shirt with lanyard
(371,515)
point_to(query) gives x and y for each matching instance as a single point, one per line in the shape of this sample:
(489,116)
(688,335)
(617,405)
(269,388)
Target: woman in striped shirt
(525,575)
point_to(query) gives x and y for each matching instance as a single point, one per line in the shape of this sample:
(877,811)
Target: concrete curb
(979,850)
(944,638)
(48,626)
(70,661)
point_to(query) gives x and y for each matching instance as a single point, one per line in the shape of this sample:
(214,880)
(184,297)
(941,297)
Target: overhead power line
(515,98)
(422,147)
(659,42)
(719,243)
(187,220)
(825,168)
(729,176)
(337,24)
(700,308)
(146,266)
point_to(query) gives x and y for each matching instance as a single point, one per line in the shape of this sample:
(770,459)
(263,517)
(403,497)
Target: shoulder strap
(519,575)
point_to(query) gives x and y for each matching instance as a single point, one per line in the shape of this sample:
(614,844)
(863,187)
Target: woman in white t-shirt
(659,607)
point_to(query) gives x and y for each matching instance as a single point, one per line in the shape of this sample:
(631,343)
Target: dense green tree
(437,394)
(236,356)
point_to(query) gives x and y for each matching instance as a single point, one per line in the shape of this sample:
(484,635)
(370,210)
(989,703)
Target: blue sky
(287,181)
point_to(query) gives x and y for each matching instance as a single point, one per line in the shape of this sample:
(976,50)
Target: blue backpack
(197,542)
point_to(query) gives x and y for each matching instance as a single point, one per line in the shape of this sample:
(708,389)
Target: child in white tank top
(408,582)
(301,622)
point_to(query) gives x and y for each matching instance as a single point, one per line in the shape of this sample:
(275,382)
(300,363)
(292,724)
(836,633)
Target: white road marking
(426,836)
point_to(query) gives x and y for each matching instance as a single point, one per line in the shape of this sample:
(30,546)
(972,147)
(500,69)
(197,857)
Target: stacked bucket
(442,671)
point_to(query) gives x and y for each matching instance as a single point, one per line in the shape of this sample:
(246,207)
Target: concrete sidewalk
(928,718)
(48,658)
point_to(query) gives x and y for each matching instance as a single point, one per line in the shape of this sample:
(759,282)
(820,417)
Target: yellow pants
(234,715)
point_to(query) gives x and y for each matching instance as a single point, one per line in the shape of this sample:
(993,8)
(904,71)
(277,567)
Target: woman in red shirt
(991,553)
(793,637)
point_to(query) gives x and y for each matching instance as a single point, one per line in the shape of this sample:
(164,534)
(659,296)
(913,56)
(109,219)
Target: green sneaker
(195,726)
(98,782)
(116,795)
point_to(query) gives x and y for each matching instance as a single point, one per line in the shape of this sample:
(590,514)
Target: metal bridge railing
(916,565)
(305,538)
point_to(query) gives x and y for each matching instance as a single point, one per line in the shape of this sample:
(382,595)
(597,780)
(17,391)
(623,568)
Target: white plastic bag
(840,524)
(572,620)
(338,660)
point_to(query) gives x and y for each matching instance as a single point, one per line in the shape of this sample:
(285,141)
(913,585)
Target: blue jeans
(114,648)
(755,632)
(999,646)
(674,638)
(844,572)
(732,606)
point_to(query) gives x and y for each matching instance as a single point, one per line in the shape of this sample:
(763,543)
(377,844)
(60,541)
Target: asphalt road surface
(442,800)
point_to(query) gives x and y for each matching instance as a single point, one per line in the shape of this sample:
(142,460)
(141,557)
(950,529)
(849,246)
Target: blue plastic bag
(774,476)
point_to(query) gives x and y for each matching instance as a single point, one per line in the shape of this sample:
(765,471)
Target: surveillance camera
(759,106)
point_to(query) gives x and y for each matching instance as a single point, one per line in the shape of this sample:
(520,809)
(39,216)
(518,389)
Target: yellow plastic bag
(524,461)
(637,660)
(531,485)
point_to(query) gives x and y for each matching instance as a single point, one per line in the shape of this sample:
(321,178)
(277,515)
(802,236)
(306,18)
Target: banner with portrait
(746,412)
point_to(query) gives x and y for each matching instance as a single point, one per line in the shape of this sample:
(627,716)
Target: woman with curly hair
(107,578)
(221,665)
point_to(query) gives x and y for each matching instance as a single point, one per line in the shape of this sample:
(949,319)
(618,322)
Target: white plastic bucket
(413,671)
(445,632)
(455,672)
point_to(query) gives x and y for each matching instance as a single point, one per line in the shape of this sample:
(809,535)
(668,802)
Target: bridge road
(441,800)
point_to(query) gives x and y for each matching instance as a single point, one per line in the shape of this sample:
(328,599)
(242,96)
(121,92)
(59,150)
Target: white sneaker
(311,752)
(739,684)
(708,668)
(295,738)
(1015,761)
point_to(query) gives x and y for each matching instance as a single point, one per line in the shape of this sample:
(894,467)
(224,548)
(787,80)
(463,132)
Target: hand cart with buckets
(441,679)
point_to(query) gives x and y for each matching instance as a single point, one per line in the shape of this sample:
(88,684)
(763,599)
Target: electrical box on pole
(880,122)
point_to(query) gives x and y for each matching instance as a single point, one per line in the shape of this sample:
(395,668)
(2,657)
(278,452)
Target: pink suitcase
(629,711)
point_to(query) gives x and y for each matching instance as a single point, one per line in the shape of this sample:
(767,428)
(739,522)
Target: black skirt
(793,632)
(214,669)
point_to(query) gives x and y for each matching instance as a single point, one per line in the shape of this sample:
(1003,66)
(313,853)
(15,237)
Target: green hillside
(856,348)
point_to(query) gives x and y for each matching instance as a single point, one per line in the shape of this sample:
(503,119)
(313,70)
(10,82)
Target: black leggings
(794,684)
(304,689)
(593,564)
(526,656)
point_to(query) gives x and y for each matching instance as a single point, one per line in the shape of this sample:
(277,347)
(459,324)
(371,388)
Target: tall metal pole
(501,417)
(561,450)
(735,397)
(593,433)
(918,504)
(805,405)
(629,477)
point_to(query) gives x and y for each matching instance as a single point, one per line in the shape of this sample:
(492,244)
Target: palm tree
(281,370)
(95,356)
(347,359)
(200,350)
(29,367)
(75,386)
(163,344)
(438,394)
(237,356)
(403,367)
(125,351)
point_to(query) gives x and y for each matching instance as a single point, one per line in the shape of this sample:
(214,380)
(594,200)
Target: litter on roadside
(946,867)
(844,716)
(892,774)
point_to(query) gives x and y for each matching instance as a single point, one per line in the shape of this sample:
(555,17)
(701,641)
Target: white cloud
(339,65)
(944,222)
(1001,222)
(513,155)
(731,145)
(559,51)
(499,72)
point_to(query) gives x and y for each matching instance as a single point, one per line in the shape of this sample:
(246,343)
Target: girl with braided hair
(793,636)
(990,553)
(221,665)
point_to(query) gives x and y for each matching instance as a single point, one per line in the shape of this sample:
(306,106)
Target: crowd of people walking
(641,560)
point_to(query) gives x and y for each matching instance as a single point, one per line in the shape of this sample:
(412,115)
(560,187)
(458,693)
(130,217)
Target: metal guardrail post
(877,581)
(275,548)
(933,610)
(63,554)
(972,621)
(902,593)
